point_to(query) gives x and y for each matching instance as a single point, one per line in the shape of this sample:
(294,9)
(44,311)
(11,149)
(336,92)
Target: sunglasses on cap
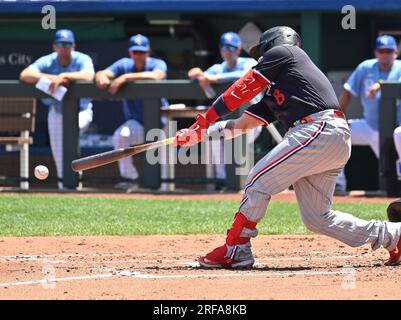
(228,48)
(64,45)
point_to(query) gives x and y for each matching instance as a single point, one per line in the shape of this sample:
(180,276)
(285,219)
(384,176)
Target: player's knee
(317,222)
(115,141)
(256,191)
(120,142)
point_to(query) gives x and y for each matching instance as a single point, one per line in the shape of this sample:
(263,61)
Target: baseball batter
(314,150)
(61,67)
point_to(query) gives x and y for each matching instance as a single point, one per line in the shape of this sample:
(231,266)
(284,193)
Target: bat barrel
(98,160)
(104,158)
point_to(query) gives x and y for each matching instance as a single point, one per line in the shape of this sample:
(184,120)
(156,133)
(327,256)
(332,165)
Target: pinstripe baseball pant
(310,157)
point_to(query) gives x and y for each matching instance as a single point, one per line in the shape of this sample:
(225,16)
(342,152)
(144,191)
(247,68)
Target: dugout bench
(17,123)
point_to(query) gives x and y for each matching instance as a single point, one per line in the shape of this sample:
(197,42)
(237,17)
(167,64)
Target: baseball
(41,172)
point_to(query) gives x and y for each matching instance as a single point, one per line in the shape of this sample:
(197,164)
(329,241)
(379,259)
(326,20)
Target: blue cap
(386,42)
(139,43)
(230,39)
(64,35)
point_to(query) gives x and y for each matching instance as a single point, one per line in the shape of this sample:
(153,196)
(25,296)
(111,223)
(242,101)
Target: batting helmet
(274,37)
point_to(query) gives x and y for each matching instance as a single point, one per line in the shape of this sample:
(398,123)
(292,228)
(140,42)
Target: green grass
(41,215)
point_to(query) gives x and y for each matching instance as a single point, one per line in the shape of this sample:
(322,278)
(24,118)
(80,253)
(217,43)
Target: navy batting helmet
(274,37)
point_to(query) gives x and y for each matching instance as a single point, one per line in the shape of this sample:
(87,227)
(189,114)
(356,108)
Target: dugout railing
(149,91)
(388,179)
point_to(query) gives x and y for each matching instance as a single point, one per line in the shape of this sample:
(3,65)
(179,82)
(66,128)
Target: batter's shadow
(337,267)
(257,268)
(170,268)
(265,268)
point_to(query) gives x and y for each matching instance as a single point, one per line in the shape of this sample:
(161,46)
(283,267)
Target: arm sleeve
(160,65)
(261,112)
(117,68)
(354,82)
(217,70)
(86,65)
(41,65)
(214,69)
(230,76)
(273,61)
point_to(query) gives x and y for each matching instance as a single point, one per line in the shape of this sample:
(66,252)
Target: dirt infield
(164,267)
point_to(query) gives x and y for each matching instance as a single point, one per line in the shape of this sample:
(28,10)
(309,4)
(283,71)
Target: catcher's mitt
(394,211)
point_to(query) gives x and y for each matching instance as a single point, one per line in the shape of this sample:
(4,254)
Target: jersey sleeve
(160,65)
(249,63)
(117,68)
(86,64)
(214,70)
(230,76)
(233,75)
(261,112)
(354,82)
(273,62)
(42,64)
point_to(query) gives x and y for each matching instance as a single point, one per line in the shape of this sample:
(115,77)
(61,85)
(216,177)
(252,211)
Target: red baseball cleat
(230,257)
(395,256)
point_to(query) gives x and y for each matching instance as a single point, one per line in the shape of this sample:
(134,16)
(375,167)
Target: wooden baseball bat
(107,157)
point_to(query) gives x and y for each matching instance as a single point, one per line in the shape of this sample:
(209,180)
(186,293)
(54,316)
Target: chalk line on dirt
(142,275)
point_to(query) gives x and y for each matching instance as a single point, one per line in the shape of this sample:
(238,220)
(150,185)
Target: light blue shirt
(133,108)
(50,64)
(229,75)
(363,77)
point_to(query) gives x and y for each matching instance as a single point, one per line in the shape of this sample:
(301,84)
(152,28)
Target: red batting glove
(194,134)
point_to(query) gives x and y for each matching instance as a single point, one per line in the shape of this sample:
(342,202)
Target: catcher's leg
(314,194)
